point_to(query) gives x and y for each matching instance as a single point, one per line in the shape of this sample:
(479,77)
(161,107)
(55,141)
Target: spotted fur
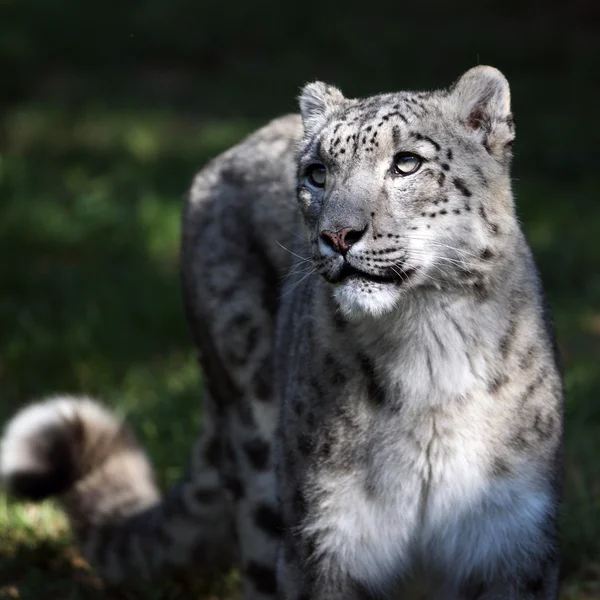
(383,405)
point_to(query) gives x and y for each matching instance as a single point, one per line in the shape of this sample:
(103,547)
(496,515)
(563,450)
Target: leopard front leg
(308,567)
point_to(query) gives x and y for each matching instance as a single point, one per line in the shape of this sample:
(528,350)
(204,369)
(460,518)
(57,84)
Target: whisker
(295,234)
(402,276)
(399,273)
(305,259)
(296,284)
(297,270)
(434,242)
(437,282)
(454,261)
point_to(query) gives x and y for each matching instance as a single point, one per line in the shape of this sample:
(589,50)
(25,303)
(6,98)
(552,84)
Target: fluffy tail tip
(43,451)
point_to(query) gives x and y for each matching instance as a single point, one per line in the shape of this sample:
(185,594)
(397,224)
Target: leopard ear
(317,101)
(482,96)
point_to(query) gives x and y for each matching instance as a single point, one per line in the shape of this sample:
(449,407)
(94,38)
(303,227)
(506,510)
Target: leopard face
(406,190)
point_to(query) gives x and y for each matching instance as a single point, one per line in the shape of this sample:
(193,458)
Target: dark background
(107,110)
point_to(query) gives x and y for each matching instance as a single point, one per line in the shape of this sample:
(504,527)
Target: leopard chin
(357,296)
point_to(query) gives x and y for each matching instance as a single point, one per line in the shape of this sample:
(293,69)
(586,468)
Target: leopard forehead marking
(380,122)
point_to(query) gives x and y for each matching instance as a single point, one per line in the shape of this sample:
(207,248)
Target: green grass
(89,235)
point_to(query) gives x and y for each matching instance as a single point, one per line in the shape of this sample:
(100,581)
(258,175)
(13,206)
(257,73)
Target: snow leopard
(383,402)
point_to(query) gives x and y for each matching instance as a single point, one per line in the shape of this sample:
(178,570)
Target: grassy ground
(89,234)
(89,228)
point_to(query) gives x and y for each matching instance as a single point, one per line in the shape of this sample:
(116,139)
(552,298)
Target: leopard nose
(342,240)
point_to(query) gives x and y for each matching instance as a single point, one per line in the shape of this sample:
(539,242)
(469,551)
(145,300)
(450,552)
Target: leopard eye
(317,175)
(406,163)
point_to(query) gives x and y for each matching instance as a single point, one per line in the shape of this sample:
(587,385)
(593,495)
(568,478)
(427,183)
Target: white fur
(15,448)
(445,510)
(354,301)
(435,500)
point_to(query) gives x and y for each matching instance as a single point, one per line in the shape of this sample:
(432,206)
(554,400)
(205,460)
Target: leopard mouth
(396,276)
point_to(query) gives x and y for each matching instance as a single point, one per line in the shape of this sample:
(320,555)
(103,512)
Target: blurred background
(108,109)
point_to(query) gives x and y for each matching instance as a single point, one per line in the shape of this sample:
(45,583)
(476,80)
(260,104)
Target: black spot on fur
(532,388)
(261,383)
(217,378)
(544,425)
(38,486)
(317,389)
(459,184)
(491,226)
(497,383)
(258,452)
(268,274)
(480,175)
(535,585)
(235,486)
(212,452)
(426,138)
(429,365)
(507,339)
(208,496)
(268,519)
(239,321)
(435,144)
(526,359)
(519,442)
(375,392)
(500,468)
(262,577)
(325,450)
(481,291)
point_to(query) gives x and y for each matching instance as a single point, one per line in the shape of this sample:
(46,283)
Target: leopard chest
(419,492)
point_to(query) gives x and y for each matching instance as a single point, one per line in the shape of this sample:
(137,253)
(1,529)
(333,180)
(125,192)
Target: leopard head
(407,190)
